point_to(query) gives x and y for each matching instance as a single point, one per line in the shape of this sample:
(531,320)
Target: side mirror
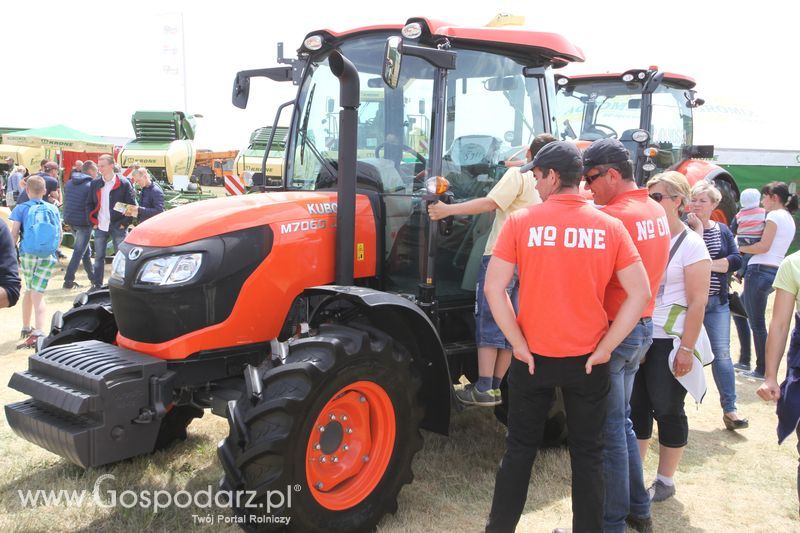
(392,56)
(700,151)
(241,91)
(635,103)
(422,107)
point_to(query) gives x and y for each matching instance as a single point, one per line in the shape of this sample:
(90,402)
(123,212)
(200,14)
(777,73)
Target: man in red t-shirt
(608,174)
(566,252)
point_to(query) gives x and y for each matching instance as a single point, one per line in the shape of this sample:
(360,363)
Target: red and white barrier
(233,186)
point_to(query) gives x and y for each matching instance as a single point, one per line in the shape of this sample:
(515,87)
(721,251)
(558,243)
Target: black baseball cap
(605,152)
(562,156)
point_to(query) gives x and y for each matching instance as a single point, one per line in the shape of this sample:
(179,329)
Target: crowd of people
(98,203)
(620,302)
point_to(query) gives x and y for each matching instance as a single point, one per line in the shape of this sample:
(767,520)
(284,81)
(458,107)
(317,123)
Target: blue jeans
(80,251)
(757,288)
(622,466)
(487,332)
(717,321)
(100,242)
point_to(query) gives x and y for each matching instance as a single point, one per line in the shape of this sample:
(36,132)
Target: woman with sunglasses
(725,259)
(657,393)
(767,256)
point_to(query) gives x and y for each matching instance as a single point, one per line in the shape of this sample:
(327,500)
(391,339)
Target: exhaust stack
(349,99)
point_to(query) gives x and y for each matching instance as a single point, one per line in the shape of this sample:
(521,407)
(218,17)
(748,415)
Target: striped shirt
(750,224)
(713,240)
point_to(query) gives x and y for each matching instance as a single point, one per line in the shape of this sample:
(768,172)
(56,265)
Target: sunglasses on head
(657,196)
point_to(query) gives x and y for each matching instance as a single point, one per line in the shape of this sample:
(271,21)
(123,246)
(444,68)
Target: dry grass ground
(727,481)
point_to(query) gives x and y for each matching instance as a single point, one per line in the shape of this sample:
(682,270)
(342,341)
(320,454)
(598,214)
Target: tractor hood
(200,220)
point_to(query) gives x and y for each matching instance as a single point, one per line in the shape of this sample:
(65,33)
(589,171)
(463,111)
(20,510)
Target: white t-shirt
(783,238)
(672,290)
(104,214)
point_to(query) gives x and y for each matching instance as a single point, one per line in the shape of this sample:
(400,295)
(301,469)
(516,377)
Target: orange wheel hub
(350,445)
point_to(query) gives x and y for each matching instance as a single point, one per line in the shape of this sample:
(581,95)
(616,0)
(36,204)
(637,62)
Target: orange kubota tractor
(328,318)
(651,113)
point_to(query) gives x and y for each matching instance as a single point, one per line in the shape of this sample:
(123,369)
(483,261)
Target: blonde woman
(725,259)
(657,393)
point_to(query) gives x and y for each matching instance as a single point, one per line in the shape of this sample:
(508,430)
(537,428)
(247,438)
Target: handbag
(736,305)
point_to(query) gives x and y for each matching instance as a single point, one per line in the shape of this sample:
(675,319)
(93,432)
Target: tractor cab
(494,102)
(651,113)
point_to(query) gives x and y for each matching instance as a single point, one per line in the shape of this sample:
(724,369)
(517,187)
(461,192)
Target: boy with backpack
(40,223)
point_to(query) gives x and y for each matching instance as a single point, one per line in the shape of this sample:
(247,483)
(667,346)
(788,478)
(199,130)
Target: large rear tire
(726,209)
(334,433)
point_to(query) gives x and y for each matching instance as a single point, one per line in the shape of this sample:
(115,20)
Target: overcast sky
(90,65)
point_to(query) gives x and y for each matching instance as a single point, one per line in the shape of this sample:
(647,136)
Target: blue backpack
(41,231)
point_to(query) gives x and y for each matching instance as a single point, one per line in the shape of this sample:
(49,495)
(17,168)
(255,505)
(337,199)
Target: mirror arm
(438,58)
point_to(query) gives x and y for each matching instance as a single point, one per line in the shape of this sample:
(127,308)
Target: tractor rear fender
(699,169)
(406,323)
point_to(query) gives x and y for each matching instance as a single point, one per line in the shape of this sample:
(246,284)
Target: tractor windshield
(493,113)
(590,110)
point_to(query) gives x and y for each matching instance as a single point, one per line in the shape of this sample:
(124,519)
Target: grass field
(727,481)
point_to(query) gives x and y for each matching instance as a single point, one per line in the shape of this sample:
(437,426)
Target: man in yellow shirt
(515,190)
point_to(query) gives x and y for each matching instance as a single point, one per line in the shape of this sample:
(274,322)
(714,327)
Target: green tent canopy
(60,137)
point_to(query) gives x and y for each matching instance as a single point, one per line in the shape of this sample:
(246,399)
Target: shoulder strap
(677,245)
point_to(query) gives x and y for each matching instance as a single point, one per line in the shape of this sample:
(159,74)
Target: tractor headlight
(640,136)
(171,269)
(118,266)
(412,31)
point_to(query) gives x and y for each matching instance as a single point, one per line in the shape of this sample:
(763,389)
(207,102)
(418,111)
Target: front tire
(337,426)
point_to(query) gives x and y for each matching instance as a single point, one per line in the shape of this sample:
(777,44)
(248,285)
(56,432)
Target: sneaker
(497,393)
(642,525)
(741,366)
(71,285)
(95,288)
(30,342)
(25,332)
(660,491)
(472,396)
(752,374)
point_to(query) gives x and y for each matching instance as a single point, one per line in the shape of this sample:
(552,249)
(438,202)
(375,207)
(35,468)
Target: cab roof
(680,80)
(551,46)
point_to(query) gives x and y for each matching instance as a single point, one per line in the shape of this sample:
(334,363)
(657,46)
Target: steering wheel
(612,133)
(420,158)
